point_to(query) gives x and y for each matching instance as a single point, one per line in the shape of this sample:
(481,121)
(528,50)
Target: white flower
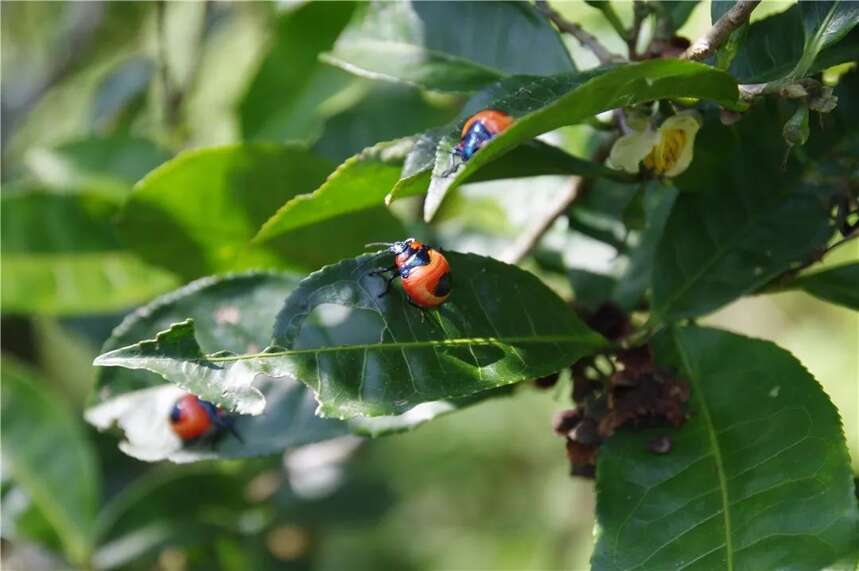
(666,151)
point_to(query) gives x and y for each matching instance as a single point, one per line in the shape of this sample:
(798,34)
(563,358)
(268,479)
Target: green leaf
(442,47)
(121,95)
(825,23)
(102,164)
(636,278)
(75,264)
(293,92)
(381,356)
(203,208)
(774,46)
(501,325)
(532,158)
(375,426)
(232,313)
(547,103)
(678,12)
(836,285)
(387,112)
(133,523)
(48,454)
(359,183)
(743,220)
(365,180)
(757,478)
(719,8)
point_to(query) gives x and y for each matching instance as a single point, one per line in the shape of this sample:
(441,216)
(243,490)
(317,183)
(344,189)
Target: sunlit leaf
(75,263)
(104,164)
(366,179)
(547,103)
(232,313)
(381,356)
(48,454)
(203,208)
(758,476)
(293,92)
(416,43)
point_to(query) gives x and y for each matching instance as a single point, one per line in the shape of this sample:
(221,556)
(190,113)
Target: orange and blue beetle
(424,272)
(194,420)
(477,131)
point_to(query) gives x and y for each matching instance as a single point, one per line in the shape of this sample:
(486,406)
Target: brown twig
(706,45)
(782,281)
(586,39)
(577,188)
(640,11)
(528,239)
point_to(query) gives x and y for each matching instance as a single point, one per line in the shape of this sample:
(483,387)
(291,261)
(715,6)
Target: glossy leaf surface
(774,46)
(233,313)
(543,104)
(740,220)
(757,478)
(380,356)
(445,46)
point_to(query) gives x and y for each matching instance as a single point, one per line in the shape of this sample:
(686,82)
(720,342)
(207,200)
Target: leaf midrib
(461,342)
(714,444)
(813,45)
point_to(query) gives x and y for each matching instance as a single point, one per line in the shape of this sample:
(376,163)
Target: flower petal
(628,151)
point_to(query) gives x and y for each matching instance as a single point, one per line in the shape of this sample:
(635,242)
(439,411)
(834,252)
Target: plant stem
(712,40)
(639,13)
(526,241)
(609,14)
(782,281)
(586,39)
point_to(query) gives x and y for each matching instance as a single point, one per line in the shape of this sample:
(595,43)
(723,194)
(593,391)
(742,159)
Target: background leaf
(376,356)
(282,101)
(486,335)
(76,263)
(415,43)
(203,208)
(637,276)
(358,184)
(743,220)
(825,23)
(835,285)
(774,46)
(232,313)
(47,453)
(365,181)
(543,104)
(98,164)
(761,480)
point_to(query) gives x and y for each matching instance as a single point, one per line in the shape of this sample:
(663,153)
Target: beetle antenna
(385,244)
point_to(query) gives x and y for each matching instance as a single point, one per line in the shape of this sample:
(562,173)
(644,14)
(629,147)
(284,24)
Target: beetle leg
(235,432)
(452,164)
(388,281)
(423,309)
(378,271)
